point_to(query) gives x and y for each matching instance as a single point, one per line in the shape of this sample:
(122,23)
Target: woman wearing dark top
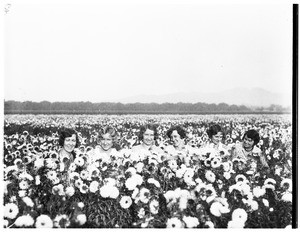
(68,141)
(249,152)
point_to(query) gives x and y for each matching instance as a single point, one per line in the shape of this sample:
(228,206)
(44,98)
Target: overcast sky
(112,50)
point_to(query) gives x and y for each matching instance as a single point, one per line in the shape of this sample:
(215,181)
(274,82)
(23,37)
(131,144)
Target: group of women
(177,149)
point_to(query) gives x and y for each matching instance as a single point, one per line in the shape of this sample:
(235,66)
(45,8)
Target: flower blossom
(43,221)
(24,221)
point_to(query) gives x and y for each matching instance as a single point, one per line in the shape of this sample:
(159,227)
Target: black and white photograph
(149,114)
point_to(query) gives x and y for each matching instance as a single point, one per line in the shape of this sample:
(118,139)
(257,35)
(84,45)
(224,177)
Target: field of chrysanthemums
(127,190)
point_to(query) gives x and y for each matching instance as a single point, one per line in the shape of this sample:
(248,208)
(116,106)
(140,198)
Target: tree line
(110,107)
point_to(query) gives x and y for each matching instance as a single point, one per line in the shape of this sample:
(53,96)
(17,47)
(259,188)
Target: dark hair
(108,130)
(65,134)
(252,134)
(144,128)
(180,131)
(213,130)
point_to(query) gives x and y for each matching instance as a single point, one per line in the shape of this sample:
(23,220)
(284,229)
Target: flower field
(134,190)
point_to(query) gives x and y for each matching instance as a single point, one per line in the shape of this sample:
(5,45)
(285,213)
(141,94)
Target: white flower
(94,186)
(287,197)
(114,192)
(72,167)
(43,221)
(170,195)
(70,191)
(269,181)
(241,178)
(183,203)
(188,176)
(133,181)
(5,223)
(215,162)
(80,205)
(210,224)
(153,181)
(58,189)
(51,175)
(245,188)
(78,183)
(25,175)
(144,195)
(173,164)
(24,221)
(190,222)
(61,218)
(28,201)
(266,202)
(210,176)
(215,209)
(227,166)
(84,188)
(23,185)
(227,175)
(131,170)
(11,210)
(105,191)
(125,202)
(79,161)
(288,183)
(141,213)
(38,180)
(154,206)
(258,191)
(174,223)
(240,215)
(74,176)
(180,172)
(109,191)
(236,224)
(130,183)
(22,193)
(84,174)
(254,205)
(139,167)
(81,219)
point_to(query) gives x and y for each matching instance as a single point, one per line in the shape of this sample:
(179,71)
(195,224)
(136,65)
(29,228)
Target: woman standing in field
(215,134)
(178,148)
(68,140)
(249,153)
(105,150)
(147,137)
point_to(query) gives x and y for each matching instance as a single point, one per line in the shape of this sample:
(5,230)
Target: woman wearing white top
(147,137)
(105,150)
(178,148)
(215,134)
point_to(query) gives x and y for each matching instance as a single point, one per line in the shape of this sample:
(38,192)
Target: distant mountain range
(255,97)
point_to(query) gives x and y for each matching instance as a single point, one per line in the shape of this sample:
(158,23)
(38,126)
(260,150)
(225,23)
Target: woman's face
(176,139)
(248,142)
(106,142)
(217,138)
(148,137)
(70,143)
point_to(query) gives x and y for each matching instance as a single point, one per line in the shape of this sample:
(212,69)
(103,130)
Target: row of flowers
(143,189)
